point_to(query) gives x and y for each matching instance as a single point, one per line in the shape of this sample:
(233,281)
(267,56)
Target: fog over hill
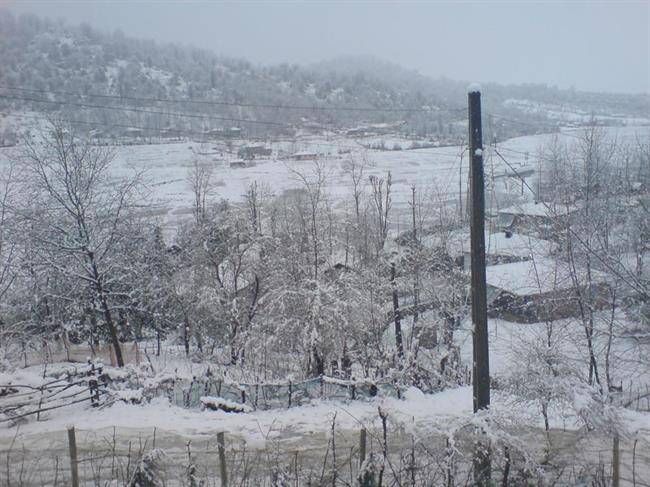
(48,64)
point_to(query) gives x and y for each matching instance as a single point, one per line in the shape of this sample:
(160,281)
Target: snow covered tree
(80,214)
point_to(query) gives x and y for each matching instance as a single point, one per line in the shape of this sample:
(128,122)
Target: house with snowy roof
(304,156)
(249,152)
(500,247)
(535,218)
(542,289)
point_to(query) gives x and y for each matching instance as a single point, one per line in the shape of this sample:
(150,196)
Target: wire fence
(336,457)
(20,401)
(99,387)
(323,457)
(194,393)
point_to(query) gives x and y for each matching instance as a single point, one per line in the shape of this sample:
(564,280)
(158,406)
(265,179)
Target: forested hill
(52,61)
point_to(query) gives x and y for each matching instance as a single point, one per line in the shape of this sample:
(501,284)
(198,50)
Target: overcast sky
(595,46)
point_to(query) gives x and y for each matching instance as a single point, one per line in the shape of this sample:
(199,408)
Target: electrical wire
(150,112)
(357,146)
(234,104)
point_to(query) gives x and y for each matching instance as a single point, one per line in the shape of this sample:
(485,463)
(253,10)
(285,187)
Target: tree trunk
(398,324)
(108,317)
(111,329)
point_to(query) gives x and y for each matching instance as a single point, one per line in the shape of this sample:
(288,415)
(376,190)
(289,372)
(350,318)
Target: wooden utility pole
(460,188)
(416,269)
(481,365)
(616,462)
(74,461)
(362,446)
(399,341)
(221,447)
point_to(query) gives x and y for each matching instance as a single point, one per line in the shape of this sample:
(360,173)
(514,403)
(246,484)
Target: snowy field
(438,173)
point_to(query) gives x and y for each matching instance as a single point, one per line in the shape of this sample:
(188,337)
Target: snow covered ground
(510,343)
(166,167)
(439,171)
(120,431)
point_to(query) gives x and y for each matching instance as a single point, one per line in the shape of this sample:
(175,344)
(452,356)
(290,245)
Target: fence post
(616,462)
(362,446)
(93,387)
(222,459)
(111,355)
(74,462)
(290,392)
(40,403)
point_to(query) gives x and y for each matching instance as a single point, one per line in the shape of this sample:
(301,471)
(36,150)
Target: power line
(151,112)
(555,128)
(358,145)
(532,155)
(535,155)
(532,124)
(586,246)
(235,104)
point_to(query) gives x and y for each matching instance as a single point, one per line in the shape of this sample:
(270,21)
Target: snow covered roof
(517,245)
(523,172)
(538,209)
(537,276)
(456,242)
(304,154)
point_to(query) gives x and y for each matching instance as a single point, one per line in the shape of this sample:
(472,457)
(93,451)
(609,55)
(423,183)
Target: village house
(303,156)
(541,219)
(224,133)
(500,247)
(132,132)
(250,152)
(541,289)
(170,133)
(510,181)
(241,164)
(375,129)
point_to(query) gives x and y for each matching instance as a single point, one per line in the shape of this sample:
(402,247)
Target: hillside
(52,63)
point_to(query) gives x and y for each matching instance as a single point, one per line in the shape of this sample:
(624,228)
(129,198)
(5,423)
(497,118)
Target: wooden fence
(20,401)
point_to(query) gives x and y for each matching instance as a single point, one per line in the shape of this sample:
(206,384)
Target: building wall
(554,305)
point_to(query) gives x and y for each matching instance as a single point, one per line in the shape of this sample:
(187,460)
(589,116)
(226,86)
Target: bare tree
(381,197)
(81,214)
(8,190)
(356,169)
(199,177)
(314,186)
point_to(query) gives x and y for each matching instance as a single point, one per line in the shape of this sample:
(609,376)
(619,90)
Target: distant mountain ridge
(52,58)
